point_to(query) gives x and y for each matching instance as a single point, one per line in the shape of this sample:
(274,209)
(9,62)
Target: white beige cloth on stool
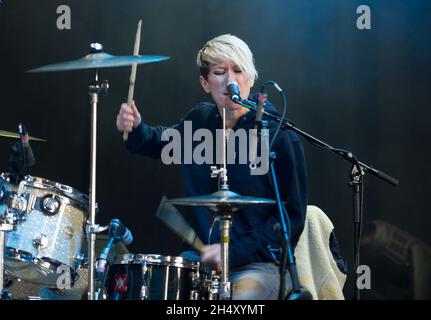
(317,270)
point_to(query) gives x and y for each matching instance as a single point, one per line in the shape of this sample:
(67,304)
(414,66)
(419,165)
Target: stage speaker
(400,263)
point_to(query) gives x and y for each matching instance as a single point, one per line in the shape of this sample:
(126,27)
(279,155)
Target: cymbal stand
(225,226)
(225,214)
(96,88)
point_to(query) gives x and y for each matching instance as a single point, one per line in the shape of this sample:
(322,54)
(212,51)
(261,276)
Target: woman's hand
(128,118)
(211,255)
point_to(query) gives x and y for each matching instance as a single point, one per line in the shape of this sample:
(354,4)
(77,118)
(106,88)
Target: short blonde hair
(229,48)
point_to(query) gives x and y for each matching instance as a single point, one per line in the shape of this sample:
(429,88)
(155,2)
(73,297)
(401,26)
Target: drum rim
(46,184)
(19,255)
(42,264)
(46,263)
(159,259)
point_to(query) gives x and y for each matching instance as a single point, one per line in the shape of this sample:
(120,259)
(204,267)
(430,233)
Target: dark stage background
(365,90)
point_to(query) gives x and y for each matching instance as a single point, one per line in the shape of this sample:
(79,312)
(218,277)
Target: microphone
(260,106)
(233,89)
(259,113)
(28,157)
(119,232)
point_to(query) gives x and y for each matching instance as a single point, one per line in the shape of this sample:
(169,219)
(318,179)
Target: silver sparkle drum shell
(47,241)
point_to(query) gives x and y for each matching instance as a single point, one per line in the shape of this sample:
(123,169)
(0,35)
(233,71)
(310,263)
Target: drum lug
(144,292)
(17,205)
(196,279)
(7,221)
(214,286)
(50,205)
(40,242)
(80,260)
(194,295)
(213,295)
(101,294)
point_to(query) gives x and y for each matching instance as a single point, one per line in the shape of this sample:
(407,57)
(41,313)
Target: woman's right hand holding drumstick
(128,117)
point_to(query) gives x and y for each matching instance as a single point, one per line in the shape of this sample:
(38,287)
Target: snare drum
(155,277)
(48,234)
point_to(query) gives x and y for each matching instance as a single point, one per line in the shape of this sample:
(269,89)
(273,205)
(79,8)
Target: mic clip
(235,98)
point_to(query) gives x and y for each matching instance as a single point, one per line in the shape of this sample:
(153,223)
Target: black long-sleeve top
(254,228)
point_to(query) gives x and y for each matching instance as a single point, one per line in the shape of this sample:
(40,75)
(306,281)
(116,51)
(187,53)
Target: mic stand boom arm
(346,155)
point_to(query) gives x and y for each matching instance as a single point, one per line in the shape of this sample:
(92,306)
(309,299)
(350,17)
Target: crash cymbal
(221,199)
(9,134)
(98,59)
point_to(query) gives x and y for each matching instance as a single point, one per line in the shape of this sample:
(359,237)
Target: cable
(283,115)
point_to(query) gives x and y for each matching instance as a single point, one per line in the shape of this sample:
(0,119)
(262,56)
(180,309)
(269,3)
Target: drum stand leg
(4,294)
(225,225)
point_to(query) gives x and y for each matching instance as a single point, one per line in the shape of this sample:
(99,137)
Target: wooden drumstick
(169,215)
(133,72)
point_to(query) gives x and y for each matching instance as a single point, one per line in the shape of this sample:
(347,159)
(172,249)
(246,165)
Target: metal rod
(225,288)
(92,219)
(224,231)
(224,185)
(2,238)
(357,217)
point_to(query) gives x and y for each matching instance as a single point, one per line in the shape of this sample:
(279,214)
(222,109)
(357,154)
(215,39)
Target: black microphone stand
(357,173)
(102,266)
(286,252)
(287,256)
